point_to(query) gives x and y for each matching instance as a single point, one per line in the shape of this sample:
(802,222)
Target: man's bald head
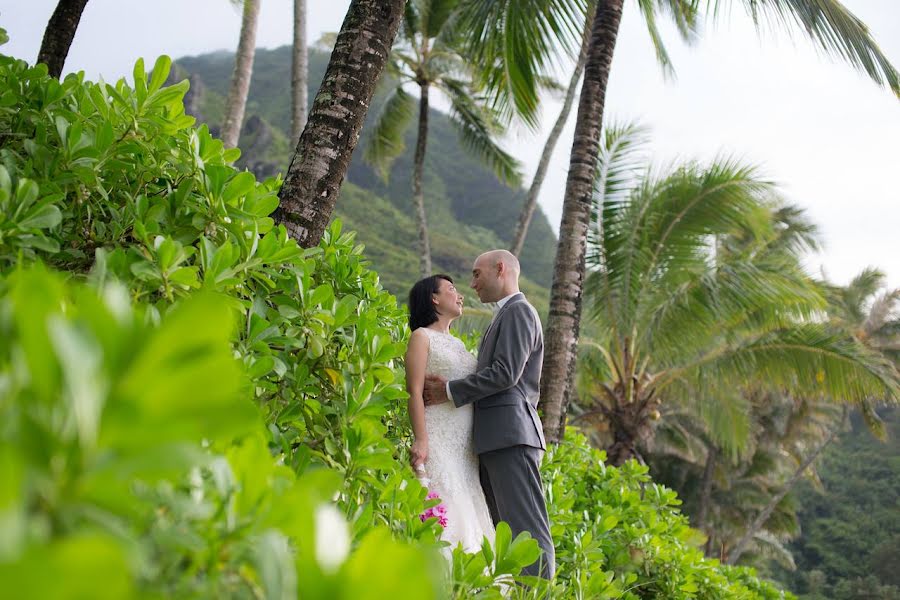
(495,275)
(495,257)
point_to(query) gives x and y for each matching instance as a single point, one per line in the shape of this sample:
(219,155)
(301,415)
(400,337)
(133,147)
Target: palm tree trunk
(322,156)
(299,72)
(712,455)
(568,271)
(763,516)
(59,35)
(418,194)
(240,77)
(549,146)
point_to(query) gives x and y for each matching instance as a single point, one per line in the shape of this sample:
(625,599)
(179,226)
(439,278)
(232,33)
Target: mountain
(469,209)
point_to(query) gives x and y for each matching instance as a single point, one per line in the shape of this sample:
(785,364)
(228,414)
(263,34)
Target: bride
(443,450)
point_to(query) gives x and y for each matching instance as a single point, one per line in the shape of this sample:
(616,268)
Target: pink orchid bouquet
(438,511)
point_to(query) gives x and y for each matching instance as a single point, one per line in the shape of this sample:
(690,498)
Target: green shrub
(619,535)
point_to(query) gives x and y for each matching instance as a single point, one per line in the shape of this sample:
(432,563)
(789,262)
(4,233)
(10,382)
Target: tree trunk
(763,516)
(299,72)
(568,270)
(240,77)
(549,146)
(712,455)
(418,194)
(59,35)
(322,156)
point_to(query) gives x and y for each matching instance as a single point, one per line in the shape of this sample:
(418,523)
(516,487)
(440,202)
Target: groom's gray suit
(509,438)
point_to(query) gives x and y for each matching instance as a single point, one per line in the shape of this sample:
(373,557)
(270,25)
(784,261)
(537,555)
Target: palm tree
(696,291)
(541,172)
(734,476)
(429,57)
(871,315)
(869,311)
(240,76)
(684,12)
(59,34)
(322,156)
(299,72)
(827,22)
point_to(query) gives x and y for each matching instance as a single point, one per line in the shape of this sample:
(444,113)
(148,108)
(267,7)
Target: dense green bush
(193,406)
(619,535)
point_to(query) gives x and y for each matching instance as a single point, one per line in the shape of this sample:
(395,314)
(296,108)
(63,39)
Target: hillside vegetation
(469,210)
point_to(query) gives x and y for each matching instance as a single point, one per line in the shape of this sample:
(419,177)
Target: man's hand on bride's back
(435,390)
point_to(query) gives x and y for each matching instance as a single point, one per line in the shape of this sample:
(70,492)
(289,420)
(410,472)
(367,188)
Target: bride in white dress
(443,451)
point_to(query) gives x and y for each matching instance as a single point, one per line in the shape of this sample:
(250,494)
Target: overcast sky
(828,135)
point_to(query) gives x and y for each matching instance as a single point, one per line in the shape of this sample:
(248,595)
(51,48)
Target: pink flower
(438,511)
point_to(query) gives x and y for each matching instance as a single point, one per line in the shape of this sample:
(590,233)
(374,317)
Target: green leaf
(161,70)
(45,217)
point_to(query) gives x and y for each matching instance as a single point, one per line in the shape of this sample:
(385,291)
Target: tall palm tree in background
(299,72)
(696,289)
(59,34)
(826,22)
(685,13)
(322,156)
(243,71)
(428,56)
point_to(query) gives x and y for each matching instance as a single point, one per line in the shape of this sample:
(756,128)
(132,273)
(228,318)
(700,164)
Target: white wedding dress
(452,465)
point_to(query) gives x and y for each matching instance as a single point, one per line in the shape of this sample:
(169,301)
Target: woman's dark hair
(421,309)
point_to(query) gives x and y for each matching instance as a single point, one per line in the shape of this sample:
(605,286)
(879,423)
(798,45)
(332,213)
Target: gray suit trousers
(511,480)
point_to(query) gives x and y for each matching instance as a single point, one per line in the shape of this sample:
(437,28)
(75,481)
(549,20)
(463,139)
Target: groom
(504,388)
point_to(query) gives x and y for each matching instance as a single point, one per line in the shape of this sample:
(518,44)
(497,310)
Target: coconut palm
(736,490)
(869,311)
(685,12)
(59,34)
(696,291)
(299,71)
(428,56)
(322,156)
(870,314)
(243,71)
(826,22)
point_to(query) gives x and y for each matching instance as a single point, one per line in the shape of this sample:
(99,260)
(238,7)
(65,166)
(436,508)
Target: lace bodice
(447,356)
(452,466)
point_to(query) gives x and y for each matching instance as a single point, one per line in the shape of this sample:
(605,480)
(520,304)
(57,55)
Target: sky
(828,135)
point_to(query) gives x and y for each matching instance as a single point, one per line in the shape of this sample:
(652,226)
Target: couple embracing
(478,437)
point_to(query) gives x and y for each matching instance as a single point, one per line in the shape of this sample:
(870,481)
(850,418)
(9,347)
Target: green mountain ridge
(469,209)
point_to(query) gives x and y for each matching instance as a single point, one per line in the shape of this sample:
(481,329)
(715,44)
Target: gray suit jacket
(506,382)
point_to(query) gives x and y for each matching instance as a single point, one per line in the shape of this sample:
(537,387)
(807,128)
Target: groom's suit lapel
(495,320)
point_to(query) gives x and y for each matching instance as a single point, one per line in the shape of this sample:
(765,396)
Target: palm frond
(833,28)
(478,127)
(437,14)
(726,414)
(387,141)
(684,15)
(514,42)
(883,312)
(807,359)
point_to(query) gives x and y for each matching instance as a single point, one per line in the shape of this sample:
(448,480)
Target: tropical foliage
(698,294)
(851,526)
(195,406)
